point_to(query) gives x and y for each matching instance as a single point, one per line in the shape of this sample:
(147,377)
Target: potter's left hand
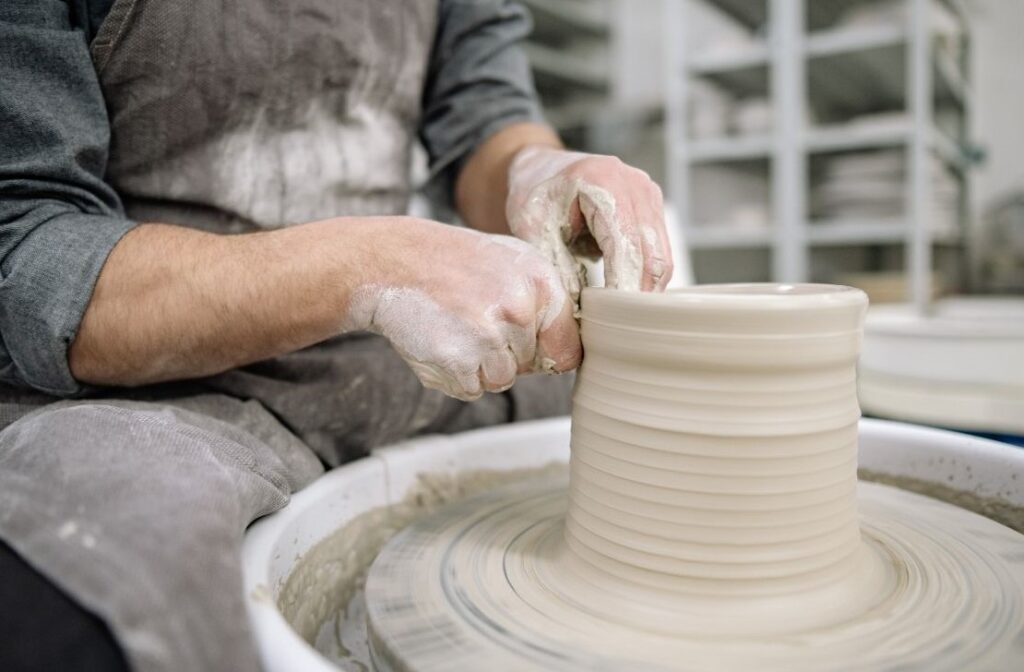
(571,205)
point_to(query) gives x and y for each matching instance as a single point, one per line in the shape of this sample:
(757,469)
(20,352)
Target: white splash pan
(961,366)
(274,544)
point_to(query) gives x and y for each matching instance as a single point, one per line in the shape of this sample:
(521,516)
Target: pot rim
(732,296)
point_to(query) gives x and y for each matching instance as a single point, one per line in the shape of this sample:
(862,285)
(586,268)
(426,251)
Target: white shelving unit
(596,65)
(570,52)
(801,58)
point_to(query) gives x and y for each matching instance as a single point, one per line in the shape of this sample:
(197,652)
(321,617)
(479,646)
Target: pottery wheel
(487,584)
(712,519)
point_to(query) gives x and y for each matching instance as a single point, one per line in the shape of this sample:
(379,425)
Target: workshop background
(875,143)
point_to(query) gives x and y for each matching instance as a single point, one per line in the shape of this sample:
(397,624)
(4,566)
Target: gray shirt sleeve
(478,82)
(58,218)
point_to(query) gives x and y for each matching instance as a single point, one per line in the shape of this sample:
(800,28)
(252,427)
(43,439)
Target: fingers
(554,350)
(498,370)
(502,312)
(522,344)
(538,332)
(464,386)
(621,207)
(558,345)
(610,223)
(657,250)
(545,222)
(625,213)
(509,351)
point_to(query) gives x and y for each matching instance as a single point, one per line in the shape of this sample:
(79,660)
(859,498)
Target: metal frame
(788,82)
(918,262)
(677,79)
(792,140)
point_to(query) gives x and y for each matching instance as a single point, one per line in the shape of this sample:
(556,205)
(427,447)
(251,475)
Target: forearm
(481,189)
(173,303)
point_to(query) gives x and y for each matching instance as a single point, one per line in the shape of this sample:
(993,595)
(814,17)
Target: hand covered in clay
(571,205)
(468,311)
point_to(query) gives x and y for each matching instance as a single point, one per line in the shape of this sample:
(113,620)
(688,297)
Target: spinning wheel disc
(490,584)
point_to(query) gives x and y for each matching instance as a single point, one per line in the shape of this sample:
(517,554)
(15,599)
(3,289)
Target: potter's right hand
(468,311)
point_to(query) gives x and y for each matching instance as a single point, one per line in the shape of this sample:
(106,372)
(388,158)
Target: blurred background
(876,143)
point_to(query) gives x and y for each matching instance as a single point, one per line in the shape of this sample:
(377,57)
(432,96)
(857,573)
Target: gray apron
(230,116)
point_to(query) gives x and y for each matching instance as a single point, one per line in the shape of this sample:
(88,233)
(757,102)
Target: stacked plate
(864,185)
(872,185)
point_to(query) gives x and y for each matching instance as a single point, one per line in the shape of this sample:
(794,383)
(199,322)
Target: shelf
(739,148)
(845,232)
(821,14)
(724,237)
(849,40)
(869,232)
(752,57)
(579,17)
(864,69)
(824,13)
(750,80)
(848,137)
(852,137)
(823,140)
(853,75)
(751,13)
(819,233)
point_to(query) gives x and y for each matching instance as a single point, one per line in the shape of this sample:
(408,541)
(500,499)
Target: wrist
(367,255)
(482,186)
(526,154)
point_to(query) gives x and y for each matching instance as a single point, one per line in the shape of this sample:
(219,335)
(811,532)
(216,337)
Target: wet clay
(335,623)
(713,518)
(322,599)
(994,508)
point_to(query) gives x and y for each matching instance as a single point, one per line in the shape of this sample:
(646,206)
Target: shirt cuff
(46,285)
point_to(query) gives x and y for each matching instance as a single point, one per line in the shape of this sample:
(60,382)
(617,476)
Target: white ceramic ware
(961,367)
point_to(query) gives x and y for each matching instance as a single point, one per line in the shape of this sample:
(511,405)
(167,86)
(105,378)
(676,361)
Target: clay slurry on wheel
(712,517)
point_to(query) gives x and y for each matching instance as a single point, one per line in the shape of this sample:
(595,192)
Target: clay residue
(322,598)
(486,577)
(999,510)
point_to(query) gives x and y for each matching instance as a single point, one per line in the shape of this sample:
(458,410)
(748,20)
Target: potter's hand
(468,311)
(571,205)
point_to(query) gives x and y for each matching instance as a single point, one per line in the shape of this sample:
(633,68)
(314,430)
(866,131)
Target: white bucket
(962,366)
(275,544)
